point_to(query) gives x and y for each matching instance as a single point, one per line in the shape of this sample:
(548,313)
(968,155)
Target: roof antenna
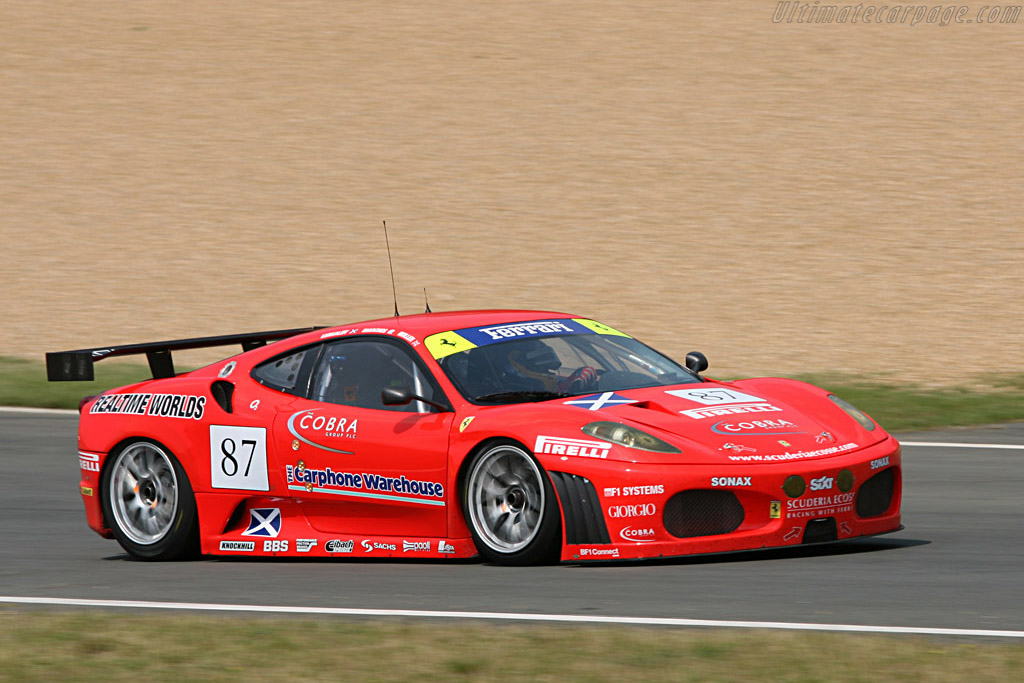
(425,301)
(393,290)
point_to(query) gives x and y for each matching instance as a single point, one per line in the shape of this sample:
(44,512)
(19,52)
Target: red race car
(522,436)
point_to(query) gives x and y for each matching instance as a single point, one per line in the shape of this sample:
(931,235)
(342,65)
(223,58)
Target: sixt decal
(327,480)
(155,405)
(88,462)
(821,483)
(557,445)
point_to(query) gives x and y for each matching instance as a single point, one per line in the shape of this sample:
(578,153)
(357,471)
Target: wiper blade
(520,396)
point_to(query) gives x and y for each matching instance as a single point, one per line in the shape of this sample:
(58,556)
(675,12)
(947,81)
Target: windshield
(533,369)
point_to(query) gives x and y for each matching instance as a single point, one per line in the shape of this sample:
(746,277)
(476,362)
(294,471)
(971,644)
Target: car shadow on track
(849,547)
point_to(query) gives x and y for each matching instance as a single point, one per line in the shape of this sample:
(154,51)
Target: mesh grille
(700,512)
(875,494)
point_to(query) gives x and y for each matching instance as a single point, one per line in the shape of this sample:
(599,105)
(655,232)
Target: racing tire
(510,506)
(148,502)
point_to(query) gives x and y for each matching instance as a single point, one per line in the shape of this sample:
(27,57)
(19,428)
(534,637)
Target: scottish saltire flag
(598,401)
(264,522)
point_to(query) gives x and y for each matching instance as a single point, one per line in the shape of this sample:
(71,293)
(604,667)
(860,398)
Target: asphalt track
(957,565)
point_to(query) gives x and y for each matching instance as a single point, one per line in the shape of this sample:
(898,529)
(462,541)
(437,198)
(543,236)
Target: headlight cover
(862,419)
(627,436)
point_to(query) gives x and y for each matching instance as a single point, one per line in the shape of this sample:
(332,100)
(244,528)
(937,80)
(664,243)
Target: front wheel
(510,507)
(148,502)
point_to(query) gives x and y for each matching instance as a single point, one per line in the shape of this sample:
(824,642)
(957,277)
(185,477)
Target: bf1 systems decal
(648,490)
(155,405)
(363,485)
(310,428)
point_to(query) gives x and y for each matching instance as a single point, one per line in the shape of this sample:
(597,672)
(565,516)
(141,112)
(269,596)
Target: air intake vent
(581,509)
(875,495)
(700,512)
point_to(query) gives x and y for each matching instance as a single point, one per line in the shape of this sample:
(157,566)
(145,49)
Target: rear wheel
(510,506)
(148,502)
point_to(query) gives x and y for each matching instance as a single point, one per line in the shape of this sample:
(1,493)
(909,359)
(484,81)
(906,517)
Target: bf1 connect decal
(363,485)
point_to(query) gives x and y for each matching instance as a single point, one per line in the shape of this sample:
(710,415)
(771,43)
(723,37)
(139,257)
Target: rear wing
(77,366)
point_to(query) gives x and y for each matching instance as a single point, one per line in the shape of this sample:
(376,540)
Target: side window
(353,372)
(282,373)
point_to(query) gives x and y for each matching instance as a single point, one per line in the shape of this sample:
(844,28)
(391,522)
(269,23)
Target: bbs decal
(238,458)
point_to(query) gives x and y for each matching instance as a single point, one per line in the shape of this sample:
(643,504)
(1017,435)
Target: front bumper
(637,511)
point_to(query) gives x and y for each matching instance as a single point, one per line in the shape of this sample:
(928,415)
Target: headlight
(627,436)
(862,419)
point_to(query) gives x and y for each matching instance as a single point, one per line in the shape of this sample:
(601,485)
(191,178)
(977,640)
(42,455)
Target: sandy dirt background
(785,197)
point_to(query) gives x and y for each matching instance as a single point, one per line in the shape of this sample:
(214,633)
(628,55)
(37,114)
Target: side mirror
(696,362)
(396,396)
(401,396)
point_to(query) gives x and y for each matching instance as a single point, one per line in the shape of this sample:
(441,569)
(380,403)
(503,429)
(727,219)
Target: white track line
(41,411)
(952,444)
(513,616)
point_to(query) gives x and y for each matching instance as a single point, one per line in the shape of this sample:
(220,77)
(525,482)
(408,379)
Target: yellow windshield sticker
(446,343)
(600,328)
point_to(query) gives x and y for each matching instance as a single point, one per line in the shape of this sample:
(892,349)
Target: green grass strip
(104,646)
(897,407)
